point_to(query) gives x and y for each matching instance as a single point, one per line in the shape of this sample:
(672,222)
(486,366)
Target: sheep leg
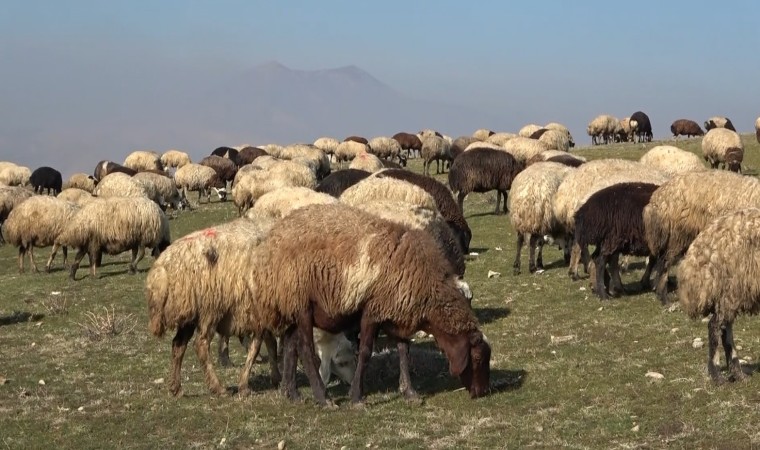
(290,355)
(179,345)
(575,255)
(532,244)
(645,282)
(616,284)
(661,286)
(75,265)
(245,374)
(601,264)
(202,344)
(404,379)
(539,252)
(713,358)
(21,256)
(31,258)
(223,351)
(274,370)
(308,357)
(366,342)
(732,358)
(520,242)
(460,199)
(136,259)
(437,167)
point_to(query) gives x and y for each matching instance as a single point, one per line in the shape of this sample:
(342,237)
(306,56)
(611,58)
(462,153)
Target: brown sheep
(359,139)
(685,127)
(248,154)
(409,142)
(483,170)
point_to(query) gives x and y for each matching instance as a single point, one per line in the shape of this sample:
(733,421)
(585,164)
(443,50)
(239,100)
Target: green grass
(587,392)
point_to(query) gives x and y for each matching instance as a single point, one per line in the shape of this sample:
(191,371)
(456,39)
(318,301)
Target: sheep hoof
(176,391)
(738,375)
(276,380)
(224,361)
(243,390)
(329,404)
(358,405)
(47,269)
(516,271)
(292,394)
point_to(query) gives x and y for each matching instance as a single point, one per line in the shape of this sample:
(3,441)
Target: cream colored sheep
(75,195)
(500,138)
(10,197)
(672,160)
(142,160)
(347,151)
(480,144)
(81,181)
(602,129)
(255,183)
(723,146)
(386,148)
(557,156)
(562,129)
(387,189)
(757,129)
(271,149)
(328,145)
(13,175)
(281,202)
(164,187)
(308,155)
(366,162)
(195,177)
(121,185)
(482,134)
(524,149)
(528,130)
(555,140)
(175,159)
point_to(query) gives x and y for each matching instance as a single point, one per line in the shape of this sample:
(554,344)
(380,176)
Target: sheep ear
(457,349)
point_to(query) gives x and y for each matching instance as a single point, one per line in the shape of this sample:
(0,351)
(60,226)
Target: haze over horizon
(84,80)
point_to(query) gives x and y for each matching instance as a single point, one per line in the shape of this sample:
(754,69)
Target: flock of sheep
(330,257)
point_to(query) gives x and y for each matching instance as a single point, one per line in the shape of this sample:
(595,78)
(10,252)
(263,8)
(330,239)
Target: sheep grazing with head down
(681,208)
(104,168)
(46,178)
(75,195)
(459,144)
(611,220)
(555,140)
(13,175)
(115,225)
(641,126)
(308,155)
(143,160)
(175,159)
(10,197)
(195,177)
(255,183)
(225,168)
(347,151)
(557,157)
(165,189)
(409,142)
(483,170)
(685,127)
(602,129)
(523,149)
(531,212)
(81,181)
(672,160)
(281,202)
(528,130)
(359,139)
(623,132)
(328,145)
(227,153)
(562,129)
(390,278)
(366,162)
(340,180)
(387,148)
(118,184)
(436,149)
(482,134)
(444,201)
(716,279)
(723,146)
(719,122)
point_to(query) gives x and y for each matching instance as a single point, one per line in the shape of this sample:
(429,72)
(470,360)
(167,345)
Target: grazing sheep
(478,144)
(602,129)
(336,355)
(81,181)
(562,129)
(75,195)
(528,130)
(721,145)
(120,185)
(671,160)
(247,155)
(444,201)
(164,187)
(115,225)
(347,151)
(685,127)
(459,144)
(255,183)
(428,133)
(558,157)
(225,168)
(623,131)
(104,168)
(719,122)
(328,145)
(227,153)
(538,133)
(611,220)
(387,148)
(10,197)
(641,126)
(436,149)
(359,139)
(531,211)
(718,276)
(37,222)
(682,207)
(482,134)
(483,170)
(195,177)
(142,160)
(340,180)
(500,138)
(46,178)
(271,149)
(175,159)
(555,140)
(757,129)
(367,162)
(13,175)
(524,149)
(339,280)
(308,155)
(387,189)
(409,142)
(281,202)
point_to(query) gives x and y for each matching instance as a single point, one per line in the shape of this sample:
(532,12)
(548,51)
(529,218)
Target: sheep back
(672,160)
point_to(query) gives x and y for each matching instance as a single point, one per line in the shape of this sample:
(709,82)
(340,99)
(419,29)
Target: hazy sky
(77,72)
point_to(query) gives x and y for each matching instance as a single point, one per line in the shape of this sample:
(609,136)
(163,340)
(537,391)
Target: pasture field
(78,368)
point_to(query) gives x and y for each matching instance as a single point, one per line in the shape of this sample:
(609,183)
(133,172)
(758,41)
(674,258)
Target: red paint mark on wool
(209,232)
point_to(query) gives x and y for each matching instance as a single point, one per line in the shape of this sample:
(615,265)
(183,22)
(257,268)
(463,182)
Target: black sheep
(612,220)
(643,126)
(338,181)
(226,152)
(46,178)
(445,203)
(483,170)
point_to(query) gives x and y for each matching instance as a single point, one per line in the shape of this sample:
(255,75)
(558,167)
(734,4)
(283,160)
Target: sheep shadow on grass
(20,317)
(489,314)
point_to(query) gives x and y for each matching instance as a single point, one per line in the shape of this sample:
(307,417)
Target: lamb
(195,177)
(558,157)
(602,129)
(721,145)
(672,160)
(11,197)
(387,148)
(717,277)
(226,152)
(347,150)
(719,122)
(685,127)
(338,280)
(367,162)
(75,195)
(46,178)
(611,220)
(641,126)
(175,159)
(328,145)
(562,129)
(409,142)
(340,180)
(248,155)
(483,170)
(81,181)
(225,168)
(104,168)
(531,211)
(256,183)
(757,129)
(114,225)
(444,201)
(164,187)
(500,138)
(482,134)
(436,149)
(281,202)
(37,222)
(524,149)
(682,207)
(142,160)
(13,175)
(528,130)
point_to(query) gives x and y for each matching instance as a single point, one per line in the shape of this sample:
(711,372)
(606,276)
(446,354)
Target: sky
(76,76)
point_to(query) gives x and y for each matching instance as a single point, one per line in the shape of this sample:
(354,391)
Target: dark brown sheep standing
(107,167)
(225,168)
(249,154)
(444,201)
(685,127)
(612,220)
(409,142)
(358,139)
(483,170)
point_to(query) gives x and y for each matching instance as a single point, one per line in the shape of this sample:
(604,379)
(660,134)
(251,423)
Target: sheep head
(469,358)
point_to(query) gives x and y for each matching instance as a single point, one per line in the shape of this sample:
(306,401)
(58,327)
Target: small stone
(158,381)
(474,253)
(739,347)
(697,343)
(222,442)
(80,409)
(582,288)
(345,447)
(673,330)
(705,319)
(34,344)
(281,445)
(655,375)
(493,274)
(55,293)
(635,428)
(601,308)
(41,382)
(498,249)
(4,380)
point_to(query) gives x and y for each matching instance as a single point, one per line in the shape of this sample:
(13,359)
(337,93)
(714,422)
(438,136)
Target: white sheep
(121,185)
(528,130)
(723,146)
(562,129)
(255,183)
(328,145)
(195,177)
(281,202)
(164,187)
(347,151)
(81,181)
(366,162)
(524,149)
(672,160)
(75,195)
(602,129)
(143,160)
(482,134)
(386,148)
(13,175)
(500,138)
(555,140)
(175,159)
